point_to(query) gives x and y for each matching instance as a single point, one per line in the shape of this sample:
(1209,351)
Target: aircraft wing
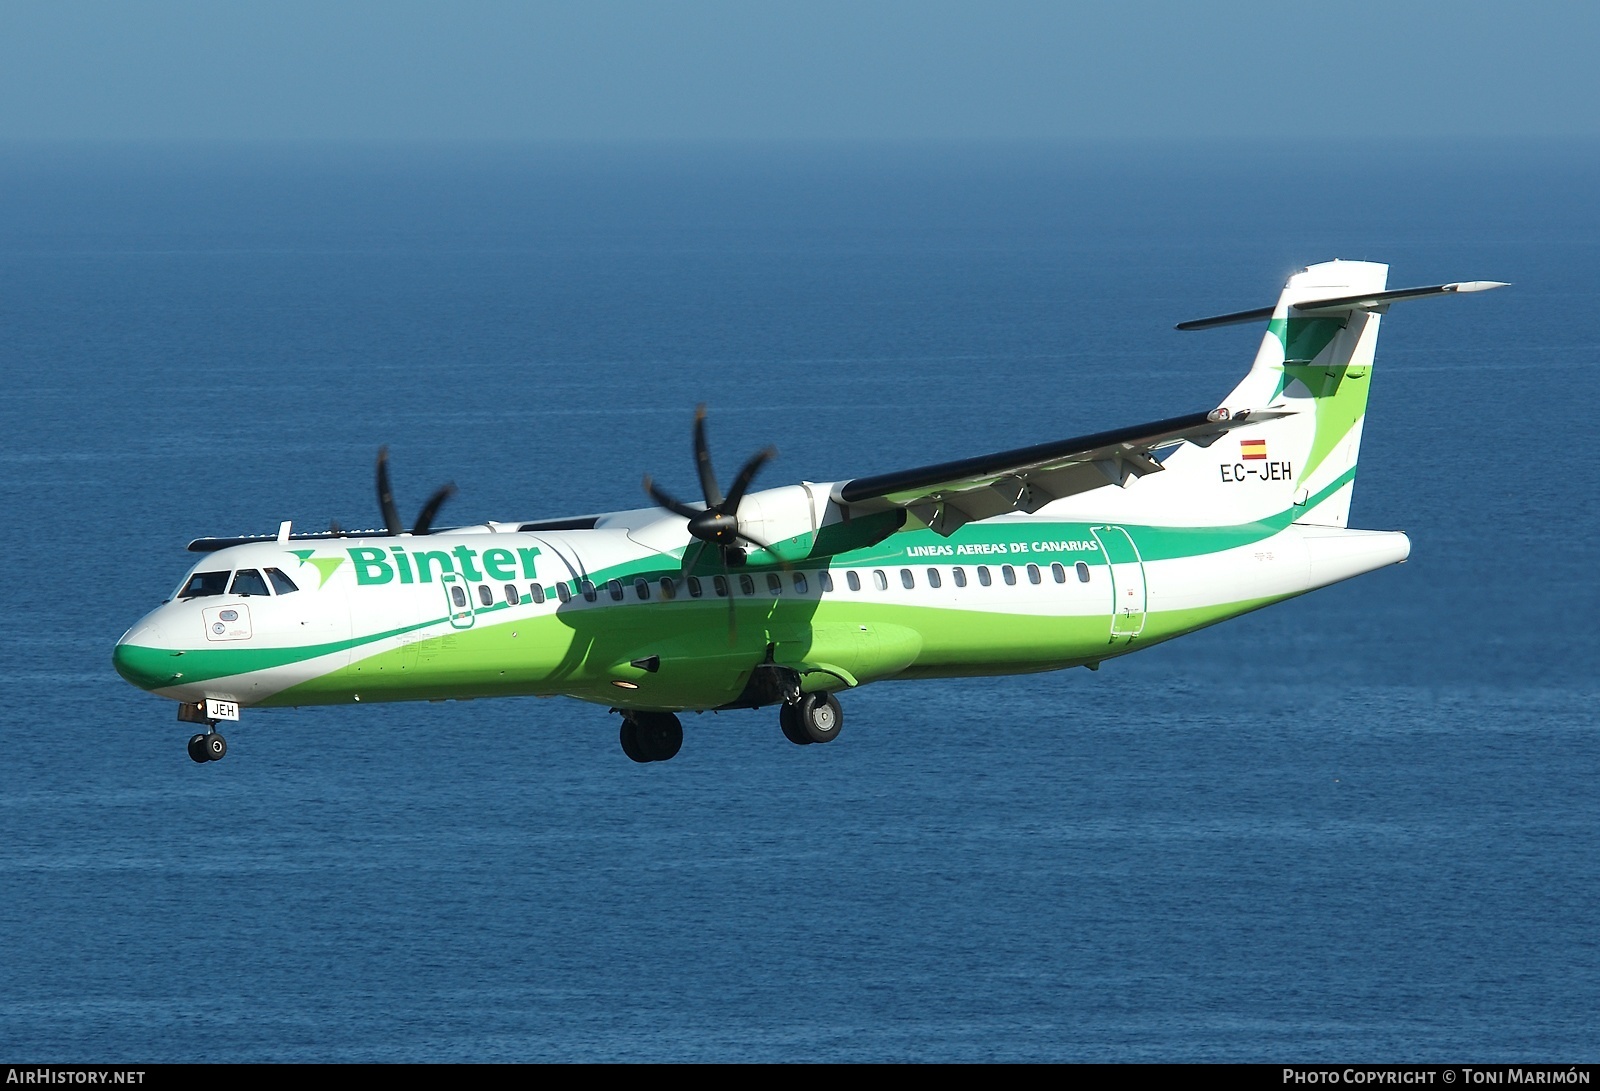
(950,494)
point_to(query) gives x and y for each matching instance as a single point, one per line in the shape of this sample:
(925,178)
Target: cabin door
(458,596)
(1128,591)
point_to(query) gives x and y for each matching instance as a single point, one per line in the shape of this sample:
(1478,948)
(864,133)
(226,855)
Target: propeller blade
(753,540)
(746,475)
(391,514)
(733,612)
(691,556)
(759,544)
(675,506)
(431,508)
(702,459)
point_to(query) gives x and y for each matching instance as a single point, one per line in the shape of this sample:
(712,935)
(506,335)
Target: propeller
(716,524)
(391,514)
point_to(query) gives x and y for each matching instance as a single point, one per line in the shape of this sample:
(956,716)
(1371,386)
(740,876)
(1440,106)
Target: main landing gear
(651,736)
(208,746)
(816,717)
(658,736)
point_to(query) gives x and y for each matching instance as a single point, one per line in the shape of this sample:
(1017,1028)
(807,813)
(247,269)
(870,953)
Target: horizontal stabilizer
(1316,307)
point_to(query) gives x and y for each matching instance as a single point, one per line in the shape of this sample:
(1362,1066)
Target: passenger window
(1083,572)
(825,581)
(695,590)
(853,580)
(719,584)
(933,577)
(513,596)
(983,575)
(1058,572)
(879,580)
(485,595)
(537,591)
(641,587)
(1008,574)
(280,583)
(907,580)
(799,583)
(747,585)
(590,593)
(960,575)
(562,592)
(458,596)
(247,581)
(669,590)
(1033,574)
(774,583)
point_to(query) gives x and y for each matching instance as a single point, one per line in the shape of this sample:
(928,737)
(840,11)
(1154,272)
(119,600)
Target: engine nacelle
(802,522)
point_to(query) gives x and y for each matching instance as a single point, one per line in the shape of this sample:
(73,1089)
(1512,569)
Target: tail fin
(1311,375)
(1316,363)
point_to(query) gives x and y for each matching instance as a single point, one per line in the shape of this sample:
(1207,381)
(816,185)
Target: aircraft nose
(140,658)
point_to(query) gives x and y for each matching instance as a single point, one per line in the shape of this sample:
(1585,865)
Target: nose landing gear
(208,746)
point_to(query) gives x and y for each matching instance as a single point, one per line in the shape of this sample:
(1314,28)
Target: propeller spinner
(718,522)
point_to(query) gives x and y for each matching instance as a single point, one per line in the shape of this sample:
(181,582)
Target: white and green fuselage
(1009,595)
(1039,565)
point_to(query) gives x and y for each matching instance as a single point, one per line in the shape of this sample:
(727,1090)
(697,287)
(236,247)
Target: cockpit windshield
(204,583)
(248,581)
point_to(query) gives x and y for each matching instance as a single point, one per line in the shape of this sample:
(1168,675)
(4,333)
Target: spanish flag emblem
(1252,449)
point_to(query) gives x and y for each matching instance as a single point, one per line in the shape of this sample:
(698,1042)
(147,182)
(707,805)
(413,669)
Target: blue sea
(1363,825)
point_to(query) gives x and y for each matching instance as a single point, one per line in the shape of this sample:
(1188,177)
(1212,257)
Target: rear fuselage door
(1128,592)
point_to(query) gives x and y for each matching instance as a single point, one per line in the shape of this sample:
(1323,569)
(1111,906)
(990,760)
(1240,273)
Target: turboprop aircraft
(1061,554)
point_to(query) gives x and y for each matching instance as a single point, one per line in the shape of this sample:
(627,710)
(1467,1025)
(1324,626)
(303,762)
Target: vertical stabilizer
(1317,364)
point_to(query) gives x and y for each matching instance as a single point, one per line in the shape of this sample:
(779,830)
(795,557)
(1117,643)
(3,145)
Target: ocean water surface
(1360,825)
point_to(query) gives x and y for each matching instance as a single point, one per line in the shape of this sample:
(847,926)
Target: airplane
(1062,554)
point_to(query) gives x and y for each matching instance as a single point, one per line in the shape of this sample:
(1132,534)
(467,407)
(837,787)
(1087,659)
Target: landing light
(620,684)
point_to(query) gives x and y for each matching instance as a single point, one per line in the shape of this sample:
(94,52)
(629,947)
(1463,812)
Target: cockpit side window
(280,583)
(204,583)
(247,581)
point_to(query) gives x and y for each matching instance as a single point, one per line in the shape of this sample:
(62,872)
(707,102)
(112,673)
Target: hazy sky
(820,68)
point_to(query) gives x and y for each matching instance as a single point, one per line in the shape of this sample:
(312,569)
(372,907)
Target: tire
(630,741)
(197,750)
(789,721)
(216,747)
(660,736)
(820,716)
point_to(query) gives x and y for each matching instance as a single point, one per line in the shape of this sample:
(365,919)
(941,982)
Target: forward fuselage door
(1128,591)
(458,596)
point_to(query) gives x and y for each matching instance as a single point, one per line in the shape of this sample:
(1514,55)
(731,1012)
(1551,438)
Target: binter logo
(376,565)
